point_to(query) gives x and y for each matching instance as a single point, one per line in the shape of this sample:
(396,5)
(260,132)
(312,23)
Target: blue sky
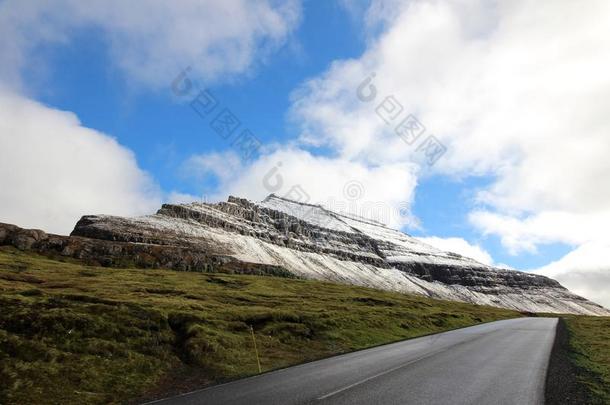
(477,77)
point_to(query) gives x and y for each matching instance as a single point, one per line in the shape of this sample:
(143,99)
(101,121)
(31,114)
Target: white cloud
(516,91)
(459,246)
(525,233)
(223,165)
(585,271)
(54,170)
(151,41)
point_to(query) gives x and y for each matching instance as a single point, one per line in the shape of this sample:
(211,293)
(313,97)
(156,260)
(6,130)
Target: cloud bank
(585,270)
(54,170)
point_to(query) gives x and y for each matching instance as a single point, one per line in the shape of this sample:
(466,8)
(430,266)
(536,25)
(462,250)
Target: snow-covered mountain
(309,241)
(282,237)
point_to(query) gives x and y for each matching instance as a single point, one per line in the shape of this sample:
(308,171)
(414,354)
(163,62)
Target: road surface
(501,362)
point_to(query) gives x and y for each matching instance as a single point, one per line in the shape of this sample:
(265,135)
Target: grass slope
(590,348)
(73,334)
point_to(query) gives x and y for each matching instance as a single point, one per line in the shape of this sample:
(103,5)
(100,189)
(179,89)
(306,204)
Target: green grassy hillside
(590,347)
(72,334)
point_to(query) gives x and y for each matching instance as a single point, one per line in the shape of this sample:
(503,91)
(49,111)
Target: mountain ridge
(279,236)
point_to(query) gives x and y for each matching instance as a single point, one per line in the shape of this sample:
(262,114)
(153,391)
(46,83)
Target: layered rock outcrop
(287,238)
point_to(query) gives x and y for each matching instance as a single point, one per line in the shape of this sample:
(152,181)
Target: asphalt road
(502,362)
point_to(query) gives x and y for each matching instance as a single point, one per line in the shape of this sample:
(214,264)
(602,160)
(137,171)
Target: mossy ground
(73,334)
(590,347)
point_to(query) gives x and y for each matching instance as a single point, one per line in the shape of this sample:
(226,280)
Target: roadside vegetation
(590,352)
(73,334)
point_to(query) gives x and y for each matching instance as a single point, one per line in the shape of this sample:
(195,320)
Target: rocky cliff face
(282,237)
